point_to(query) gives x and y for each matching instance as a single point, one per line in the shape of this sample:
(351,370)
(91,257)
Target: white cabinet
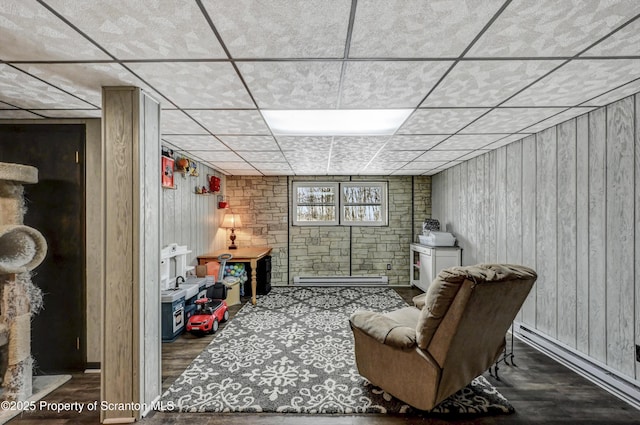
(427,261)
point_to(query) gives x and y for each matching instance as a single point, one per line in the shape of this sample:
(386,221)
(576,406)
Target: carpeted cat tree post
(22,248)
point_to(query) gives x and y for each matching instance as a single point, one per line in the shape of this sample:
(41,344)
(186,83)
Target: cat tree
(22,248)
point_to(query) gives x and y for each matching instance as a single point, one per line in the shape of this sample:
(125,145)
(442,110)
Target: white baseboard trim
(605,377)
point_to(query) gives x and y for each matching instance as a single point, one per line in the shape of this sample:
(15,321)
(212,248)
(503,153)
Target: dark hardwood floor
(541,390)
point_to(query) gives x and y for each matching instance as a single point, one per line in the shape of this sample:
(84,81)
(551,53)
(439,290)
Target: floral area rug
(293,353)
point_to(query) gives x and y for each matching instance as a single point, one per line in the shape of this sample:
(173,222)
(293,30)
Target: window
(363,204)
(334,204)
(315,204)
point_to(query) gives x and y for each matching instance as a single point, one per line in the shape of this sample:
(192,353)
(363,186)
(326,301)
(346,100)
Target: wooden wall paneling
(481,201)
(470,249)
(454,205)
(566,235)
(490,206)
(637,226)
(168,215)
(117,360)
(597,235)
(149,280)
(436,188)
(529,223)
(620,236)
(501,204)
(546,249)
(463,208)
(513,206)
(582,233)
(94,240)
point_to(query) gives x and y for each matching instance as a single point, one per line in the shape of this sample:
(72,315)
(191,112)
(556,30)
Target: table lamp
(231,221)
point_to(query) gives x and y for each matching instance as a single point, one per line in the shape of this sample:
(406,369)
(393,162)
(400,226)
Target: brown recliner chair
(423,354)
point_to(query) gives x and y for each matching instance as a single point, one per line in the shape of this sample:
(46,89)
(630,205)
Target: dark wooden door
(55,207)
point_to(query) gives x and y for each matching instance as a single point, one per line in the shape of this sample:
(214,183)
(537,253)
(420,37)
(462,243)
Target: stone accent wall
(264,204)
(263,208)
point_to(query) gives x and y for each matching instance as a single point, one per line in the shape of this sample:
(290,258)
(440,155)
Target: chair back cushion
(447,284)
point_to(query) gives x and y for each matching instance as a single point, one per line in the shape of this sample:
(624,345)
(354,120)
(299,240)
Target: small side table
(241,255)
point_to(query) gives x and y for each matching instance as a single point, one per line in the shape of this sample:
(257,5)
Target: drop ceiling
(477,74)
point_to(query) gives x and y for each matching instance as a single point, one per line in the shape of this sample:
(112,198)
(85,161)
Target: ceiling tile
(86,80)
(6,106)
(505,141)
(19,114)
(144,30)
(245,143)
(25,91)
(510,120)
(413,143)
(467,141)
(177,122)
(478,152)
(390,155)
(30,32)
(273,167)
(386,84)
(417,28)
(442,155)
(282,28)
(291,85)
(294,143)
(233,165)
(486,83)
(551,28)
(196,142)
(70,113)
(625,42)
(615,94)
(232,122)
(439,121)
(356,148)
(242,172)
(424,165)
(262,156)
(578,81)
(557,119)
(216,156)
(195,84)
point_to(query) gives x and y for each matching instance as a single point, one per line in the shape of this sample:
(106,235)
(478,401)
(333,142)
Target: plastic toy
(209,313)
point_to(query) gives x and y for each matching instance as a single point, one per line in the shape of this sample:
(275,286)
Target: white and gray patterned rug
(293,353)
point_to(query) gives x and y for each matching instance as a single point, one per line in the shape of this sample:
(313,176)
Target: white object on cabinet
(427,261)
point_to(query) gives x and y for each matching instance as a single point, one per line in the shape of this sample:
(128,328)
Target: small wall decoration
(214,184)
(167,172)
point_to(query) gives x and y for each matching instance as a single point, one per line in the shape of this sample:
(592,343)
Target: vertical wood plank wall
(565,201)
(190,219)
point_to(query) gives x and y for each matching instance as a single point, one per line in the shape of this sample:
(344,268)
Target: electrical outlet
(637,353)
(388,266)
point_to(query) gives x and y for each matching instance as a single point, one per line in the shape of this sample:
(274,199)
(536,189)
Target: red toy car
(209,313)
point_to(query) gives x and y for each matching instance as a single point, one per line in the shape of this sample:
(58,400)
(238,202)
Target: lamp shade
(232,221)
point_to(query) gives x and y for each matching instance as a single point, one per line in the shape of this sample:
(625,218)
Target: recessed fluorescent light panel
(336,122)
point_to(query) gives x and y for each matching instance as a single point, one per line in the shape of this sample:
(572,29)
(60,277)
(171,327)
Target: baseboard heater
(605,377)
(341,280)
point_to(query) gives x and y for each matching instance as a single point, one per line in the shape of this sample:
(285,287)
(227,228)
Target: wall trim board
(600,374)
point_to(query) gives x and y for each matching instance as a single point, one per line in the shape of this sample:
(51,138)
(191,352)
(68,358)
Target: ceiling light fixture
(335,122)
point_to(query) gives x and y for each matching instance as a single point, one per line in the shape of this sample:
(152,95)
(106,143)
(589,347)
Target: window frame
(295,204)
(339,204)
(384,203)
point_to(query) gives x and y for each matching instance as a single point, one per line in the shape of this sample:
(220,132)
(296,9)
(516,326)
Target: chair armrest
(420,300)
(383,329)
